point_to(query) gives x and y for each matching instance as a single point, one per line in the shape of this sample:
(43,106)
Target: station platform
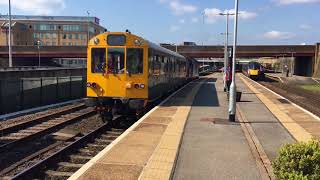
(293,79)
(188,136)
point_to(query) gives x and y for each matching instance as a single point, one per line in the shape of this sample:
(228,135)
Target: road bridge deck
(189,137)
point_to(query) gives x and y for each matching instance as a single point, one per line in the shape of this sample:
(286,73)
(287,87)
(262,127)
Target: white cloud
(182,21)
(194,20)
(278,35)
(37,7)
(287,2)
(212,15)
(179,8)
(174,28)
(305,26)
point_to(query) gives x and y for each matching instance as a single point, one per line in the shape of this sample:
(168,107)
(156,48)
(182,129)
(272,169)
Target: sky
(175,21)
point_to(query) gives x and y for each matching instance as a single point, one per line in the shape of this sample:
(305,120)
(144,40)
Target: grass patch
(313,88)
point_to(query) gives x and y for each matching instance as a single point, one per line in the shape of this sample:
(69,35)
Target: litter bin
(238,96)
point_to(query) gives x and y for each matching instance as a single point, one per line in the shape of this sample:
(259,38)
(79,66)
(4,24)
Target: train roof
(165,50)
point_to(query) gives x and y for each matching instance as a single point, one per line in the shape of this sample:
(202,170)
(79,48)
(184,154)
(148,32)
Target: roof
(52,18)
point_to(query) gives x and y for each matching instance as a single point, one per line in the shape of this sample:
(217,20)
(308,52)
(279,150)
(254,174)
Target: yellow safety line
(299,133)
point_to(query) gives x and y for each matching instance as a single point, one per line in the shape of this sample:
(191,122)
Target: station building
(49,30)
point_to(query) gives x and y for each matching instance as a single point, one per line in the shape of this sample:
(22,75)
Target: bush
(298,161)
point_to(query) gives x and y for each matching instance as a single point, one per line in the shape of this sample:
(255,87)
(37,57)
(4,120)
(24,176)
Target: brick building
(49,30)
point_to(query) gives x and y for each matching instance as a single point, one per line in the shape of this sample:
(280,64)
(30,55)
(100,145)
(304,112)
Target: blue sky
(175,21)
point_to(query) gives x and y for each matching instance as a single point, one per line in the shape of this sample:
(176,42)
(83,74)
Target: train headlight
(137,42)
(96,41)
(142,86)
(89,84)
(137,86)
(128,85)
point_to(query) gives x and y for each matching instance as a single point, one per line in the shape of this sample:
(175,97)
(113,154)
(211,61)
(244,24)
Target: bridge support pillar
(316,68)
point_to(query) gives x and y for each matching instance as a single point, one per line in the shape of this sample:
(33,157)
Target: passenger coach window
(116,60)
(135,60)
(98,60)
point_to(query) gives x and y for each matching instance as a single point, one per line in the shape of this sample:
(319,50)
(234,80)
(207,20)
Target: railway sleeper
(58,174)
(104,141)
(96,146)
(110,136)
(113,133)
(29,131)
(87,151)
(77,159)
(68,167)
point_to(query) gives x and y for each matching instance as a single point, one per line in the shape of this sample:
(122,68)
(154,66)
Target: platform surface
(189,136)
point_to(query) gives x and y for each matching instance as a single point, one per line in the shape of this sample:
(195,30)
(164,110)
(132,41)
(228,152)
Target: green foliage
(298,161)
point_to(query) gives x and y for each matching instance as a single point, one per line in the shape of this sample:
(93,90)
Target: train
(254,70)
(126,73)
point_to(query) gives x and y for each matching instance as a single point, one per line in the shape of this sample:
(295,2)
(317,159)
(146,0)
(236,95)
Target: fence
(25,93)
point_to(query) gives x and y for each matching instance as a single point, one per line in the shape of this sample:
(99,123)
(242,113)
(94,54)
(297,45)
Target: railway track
(308,100)
(72,157)
(26,144)
(14,136)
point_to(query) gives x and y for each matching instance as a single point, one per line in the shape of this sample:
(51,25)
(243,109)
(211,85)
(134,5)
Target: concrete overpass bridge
(306,56)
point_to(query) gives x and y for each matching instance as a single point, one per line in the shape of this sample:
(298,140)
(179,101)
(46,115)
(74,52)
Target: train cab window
(115,61)
(98,60)
(135,60)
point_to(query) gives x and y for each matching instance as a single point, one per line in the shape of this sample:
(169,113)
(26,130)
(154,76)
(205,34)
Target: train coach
(126,72)
(253,70)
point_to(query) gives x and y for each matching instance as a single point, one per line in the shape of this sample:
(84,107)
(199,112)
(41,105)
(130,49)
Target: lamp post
(88,32)
(10,50)
(226,55)
(39,60)
(292,63)
(233,88)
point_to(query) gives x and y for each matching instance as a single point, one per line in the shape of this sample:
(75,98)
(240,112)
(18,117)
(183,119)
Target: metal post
(233,88)
(226,56)
(88,32)
(10,50)
(39,60)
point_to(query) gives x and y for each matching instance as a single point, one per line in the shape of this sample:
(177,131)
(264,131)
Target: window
(35,35)
(54,35)
(47,35)
(72,28)
(135,60)
(116,60)
(42,35)
(116,40)
(70,43)
(45,27)
(156,66)
(54,43)
(64,44)
(69,36)
(64,36)
(76,36)
(98,59)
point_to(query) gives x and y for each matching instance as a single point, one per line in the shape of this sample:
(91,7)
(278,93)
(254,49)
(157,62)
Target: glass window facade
(45,27)
(73,28)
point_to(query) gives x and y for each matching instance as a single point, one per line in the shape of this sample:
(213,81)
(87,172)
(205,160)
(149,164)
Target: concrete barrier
(25,89)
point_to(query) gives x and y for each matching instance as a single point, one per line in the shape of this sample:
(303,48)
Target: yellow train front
(254,70)
(126,72)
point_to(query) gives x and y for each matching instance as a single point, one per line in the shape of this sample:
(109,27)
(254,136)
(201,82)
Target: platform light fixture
(233,88)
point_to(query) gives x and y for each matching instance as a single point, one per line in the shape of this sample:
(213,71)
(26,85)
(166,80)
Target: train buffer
(189,137)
